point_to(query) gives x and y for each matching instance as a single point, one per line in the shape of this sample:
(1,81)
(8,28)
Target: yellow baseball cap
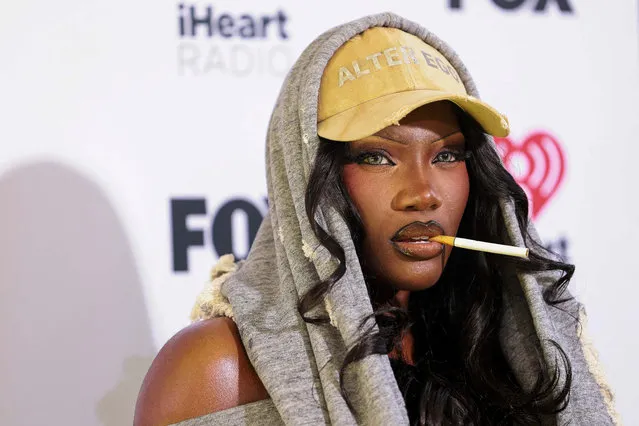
(379,76)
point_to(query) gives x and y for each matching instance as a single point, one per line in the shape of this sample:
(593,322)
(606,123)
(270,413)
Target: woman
(344,311)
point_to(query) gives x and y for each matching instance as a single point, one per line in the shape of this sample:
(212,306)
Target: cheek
(363,190)
(455,190)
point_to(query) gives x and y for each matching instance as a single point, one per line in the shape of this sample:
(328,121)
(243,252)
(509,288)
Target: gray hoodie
(297,362)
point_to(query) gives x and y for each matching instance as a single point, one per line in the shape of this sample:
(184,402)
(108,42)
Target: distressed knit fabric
(299,363)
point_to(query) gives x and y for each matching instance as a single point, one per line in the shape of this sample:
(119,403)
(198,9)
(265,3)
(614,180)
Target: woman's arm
(202,369)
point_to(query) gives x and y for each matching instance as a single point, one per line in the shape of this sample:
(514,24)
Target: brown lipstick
(412,240)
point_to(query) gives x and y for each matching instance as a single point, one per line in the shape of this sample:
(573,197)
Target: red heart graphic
(538,165)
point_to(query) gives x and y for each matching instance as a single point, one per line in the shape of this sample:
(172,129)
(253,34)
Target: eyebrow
(406,143)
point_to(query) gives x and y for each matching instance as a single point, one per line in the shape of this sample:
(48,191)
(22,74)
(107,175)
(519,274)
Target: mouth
(413,240)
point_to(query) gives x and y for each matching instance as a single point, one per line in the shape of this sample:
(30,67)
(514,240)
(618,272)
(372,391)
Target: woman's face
(409,182)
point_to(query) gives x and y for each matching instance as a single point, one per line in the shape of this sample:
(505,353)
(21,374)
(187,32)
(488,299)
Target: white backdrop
(130,153)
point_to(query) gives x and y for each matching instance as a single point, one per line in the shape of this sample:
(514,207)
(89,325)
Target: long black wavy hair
(460,375)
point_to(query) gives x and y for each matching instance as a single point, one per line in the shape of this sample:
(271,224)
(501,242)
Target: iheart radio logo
(538,164)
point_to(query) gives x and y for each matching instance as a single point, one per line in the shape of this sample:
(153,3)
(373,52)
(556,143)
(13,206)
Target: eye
(450,157)
(374,159)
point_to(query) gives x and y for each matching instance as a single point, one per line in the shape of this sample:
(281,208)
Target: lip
(412,240)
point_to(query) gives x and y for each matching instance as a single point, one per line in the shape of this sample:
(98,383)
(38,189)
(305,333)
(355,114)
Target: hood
(299,363)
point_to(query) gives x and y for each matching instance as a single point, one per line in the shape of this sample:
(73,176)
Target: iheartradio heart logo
(538,165)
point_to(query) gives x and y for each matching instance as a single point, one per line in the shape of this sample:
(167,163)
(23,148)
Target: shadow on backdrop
(76,339)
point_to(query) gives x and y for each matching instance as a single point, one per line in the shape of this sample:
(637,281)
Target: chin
(402,272)
(417,282)
(416,286)
(411,275)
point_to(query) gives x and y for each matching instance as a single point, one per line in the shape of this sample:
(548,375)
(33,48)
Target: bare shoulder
(202,369)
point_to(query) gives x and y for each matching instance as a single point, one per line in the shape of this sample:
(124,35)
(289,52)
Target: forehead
(427,123)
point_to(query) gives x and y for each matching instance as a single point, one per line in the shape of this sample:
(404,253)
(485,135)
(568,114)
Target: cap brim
(372,116)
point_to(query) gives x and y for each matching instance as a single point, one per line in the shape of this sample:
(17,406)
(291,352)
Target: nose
(418,194)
